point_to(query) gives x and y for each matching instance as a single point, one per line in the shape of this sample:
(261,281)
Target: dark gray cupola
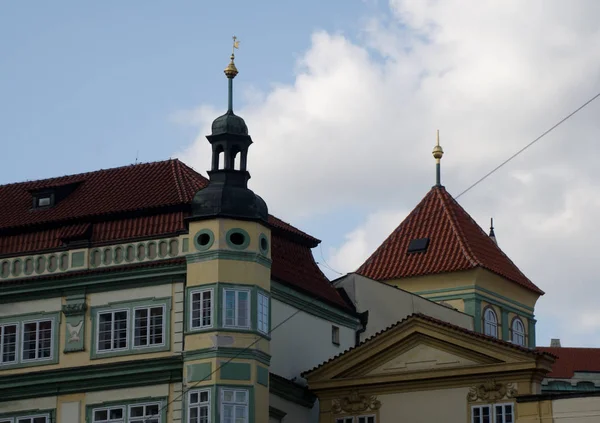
(227,194)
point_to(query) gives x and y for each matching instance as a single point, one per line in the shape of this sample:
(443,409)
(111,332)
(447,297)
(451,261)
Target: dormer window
(43,200)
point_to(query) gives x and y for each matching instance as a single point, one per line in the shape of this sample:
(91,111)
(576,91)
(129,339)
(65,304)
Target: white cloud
(356,128)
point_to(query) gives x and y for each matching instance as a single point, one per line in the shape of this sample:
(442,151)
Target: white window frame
(122,407)
(335,335)
(347,419)
(199,403)
(145,418)
(212,308)
(503,404)
(262,313)
(236,308)
(17,349)
(487,322)
(33,416)
(37,341)
(365,416)
(163,327)
(235,404)
(516,321)
(112,330)
(481,407)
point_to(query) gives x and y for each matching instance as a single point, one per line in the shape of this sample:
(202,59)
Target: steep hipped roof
(571,360)
(136,202)
(456,242)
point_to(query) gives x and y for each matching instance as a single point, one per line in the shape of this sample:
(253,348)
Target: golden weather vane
(236,44)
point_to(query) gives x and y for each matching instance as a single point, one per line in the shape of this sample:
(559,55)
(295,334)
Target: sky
(342,100)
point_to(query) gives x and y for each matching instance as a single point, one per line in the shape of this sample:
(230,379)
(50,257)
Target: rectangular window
(199,406)
(503,413)
(345,420)
(234,405)
(236,308)
(149,326)
(34,419)
(37,340)
(202,309)
(144,413)
(335,335)
(481,414)
(108,415)
(263,313)
(8,343)
(365,419)
(112,330)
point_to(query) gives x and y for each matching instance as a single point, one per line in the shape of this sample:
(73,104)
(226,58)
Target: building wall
(304,341)
(387,304)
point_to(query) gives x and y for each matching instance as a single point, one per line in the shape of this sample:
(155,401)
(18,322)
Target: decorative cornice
(228,255)
(491,390)
(355,403)
(231,352)
(288,390)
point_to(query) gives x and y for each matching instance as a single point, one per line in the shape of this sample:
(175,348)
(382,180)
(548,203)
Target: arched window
(490,323)
(518,332)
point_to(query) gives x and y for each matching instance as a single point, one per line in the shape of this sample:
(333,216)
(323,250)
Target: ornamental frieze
(491,390)
(355,403)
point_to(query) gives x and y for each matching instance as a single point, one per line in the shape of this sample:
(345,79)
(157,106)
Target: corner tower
(227,333)
(441,253)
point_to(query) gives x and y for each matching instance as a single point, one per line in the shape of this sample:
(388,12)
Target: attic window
(418,245)
(43,200)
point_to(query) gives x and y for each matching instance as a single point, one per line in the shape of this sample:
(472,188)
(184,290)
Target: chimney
(555,343)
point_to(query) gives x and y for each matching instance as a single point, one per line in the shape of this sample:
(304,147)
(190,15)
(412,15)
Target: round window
(237,238)
(203,239)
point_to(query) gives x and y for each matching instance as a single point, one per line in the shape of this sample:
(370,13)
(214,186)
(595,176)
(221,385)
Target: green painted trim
(230,353)
(51,413)
(211,239)
(141,253)
(531,323)
(262,237)
(52,267)
(199,372)
(229,370)
(185,247)
(505,325)
(309,305)
(161,243)
(290,391)
(20,320)
(40,264)
(130,306)
(26,265)
(480,297)
(262,375)
(228,255)
(162,401)
(149,252)
(233,246)
(187,324)
(49,288)
(13,266)
(77,259)
(174,247)
(251,405)
(213,401)
(90,378)
(476,288)
(473,308)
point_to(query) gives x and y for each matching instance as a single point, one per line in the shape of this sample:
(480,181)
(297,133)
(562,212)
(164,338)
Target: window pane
(229,308)
(29,341)
(100,415)
(156,326)
(39,420)
(105,331)
(45,339)
(141,328)
(137,411)
(204,396)
(206,308)
(243,308)
(8,343)
(120,329)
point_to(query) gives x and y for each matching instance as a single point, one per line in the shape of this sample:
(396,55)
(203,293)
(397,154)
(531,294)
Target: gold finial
(231,71)
(438,152)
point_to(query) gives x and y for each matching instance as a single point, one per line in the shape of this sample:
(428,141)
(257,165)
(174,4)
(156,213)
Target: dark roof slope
(137,202)
(456,242)
(571,360)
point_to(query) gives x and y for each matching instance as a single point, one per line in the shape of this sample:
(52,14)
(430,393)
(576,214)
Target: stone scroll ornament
(491,390)
(74,311)
(355,403)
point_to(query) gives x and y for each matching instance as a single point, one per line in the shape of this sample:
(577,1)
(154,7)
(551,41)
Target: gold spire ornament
(438,152)
(231,71)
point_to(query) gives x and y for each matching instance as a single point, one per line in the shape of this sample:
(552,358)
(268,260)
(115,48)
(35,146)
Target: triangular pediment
(419,347)
(424,357)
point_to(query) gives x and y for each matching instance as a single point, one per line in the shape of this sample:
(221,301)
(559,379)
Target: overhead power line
(563,120)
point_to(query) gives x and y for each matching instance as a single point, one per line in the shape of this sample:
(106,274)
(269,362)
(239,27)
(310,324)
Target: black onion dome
(230,124)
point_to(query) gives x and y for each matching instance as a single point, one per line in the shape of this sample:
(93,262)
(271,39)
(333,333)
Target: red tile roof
(456,243)
(571,360)
(135,202)
(455,328)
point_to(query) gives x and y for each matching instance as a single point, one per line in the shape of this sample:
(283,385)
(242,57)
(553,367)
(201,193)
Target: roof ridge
(91,172)
(467,251)
(177,176)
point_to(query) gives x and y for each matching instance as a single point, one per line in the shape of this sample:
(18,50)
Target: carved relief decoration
(491,390)
(355,403)
(74,309)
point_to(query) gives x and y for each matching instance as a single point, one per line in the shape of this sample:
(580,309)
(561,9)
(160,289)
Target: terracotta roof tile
(135,202)
(456,243)
(438,322)
(571,360)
